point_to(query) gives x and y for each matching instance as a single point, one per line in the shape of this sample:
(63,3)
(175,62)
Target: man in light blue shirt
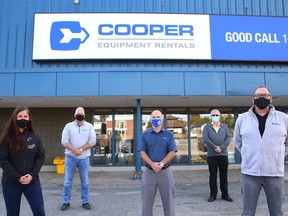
(77,138)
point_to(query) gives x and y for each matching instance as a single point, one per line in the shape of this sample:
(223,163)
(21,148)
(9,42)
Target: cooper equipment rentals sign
(159,36)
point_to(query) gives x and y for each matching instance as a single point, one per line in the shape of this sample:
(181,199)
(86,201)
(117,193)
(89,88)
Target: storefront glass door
(114,131)
(102,151)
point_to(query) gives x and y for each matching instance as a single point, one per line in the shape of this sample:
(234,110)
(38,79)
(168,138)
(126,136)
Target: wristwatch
(161,164)
(81,150)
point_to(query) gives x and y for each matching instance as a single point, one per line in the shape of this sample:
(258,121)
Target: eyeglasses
(215,115)
(265,95)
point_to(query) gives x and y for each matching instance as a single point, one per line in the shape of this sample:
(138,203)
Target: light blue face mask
(215,118)
(156,122)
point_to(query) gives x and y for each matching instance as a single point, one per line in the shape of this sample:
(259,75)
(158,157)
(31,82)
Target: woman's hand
(26,179)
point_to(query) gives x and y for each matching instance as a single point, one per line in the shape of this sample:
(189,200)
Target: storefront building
(122,59)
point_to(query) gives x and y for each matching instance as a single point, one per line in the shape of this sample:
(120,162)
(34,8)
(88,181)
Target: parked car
(126,146)
(98,149)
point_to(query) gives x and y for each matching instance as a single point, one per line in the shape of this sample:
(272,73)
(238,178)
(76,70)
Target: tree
(198,121)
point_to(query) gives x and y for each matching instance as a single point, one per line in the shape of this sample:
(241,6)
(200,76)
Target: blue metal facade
(22,77)
(58,78)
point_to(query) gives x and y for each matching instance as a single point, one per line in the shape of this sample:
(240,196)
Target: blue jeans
(33,192)
(71,163)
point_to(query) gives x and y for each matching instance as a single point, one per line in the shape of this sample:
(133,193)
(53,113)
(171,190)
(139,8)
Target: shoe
(86,206)
(211,199)
(65,206)
(227,198)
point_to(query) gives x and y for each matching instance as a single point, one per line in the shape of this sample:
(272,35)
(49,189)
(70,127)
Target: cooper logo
(67,35)
(145,30)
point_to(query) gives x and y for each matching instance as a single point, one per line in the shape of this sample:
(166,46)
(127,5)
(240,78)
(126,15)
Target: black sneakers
(227,198)
(86,206)
(65,206)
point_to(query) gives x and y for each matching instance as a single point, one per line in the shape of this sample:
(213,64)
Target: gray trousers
(274,190)
(164,180)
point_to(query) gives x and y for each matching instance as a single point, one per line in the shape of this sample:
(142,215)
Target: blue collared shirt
(157,145)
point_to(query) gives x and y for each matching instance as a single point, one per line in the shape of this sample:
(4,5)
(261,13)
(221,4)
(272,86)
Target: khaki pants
(164,180)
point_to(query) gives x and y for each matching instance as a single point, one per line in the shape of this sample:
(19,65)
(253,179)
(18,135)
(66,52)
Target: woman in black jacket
(21,158)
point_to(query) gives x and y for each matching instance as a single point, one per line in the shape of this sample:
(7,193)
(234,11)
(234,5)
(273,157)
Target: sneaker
(86,206)
(211,199)
(227,198)
(65,206)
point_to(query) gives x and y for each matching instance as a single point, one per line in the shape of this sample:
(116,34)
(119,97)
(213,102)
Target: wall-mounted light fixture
(76,1)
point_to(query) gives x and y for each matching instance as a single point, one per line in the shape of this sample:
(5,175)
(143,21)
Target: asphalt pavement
(113,192)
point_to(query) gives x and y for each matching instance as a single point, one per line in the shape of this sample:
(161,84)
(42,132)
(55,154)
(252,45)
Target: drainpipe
(113,139)
(137,139)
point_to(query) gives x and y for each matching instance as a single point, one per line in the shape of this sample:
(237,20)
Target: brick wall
(48,124)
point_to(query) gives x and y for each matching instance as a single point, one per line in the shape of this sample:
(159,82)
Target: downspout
(137,140)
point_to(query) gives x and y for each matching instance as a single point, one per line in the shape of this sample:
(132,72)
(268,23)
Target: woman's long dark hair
(11,131)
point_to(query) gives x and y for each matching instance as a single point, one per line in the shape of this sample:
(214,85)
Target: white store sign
(121,36)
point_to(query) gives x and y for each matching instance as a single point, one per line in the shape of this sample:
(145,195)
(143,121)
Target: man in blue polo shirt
(157,149)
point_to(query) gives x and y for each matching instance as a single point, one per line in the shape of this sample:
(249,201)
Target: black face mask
(80,117)
(22,123)
(261,102)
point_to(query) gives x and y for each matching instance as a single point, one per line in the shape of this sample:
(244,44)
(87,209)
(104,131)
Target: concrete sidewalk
(115,193)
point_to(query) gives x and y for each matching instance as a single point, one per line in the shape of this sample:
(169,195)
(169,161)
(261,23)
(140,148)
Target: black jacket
(16,164)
